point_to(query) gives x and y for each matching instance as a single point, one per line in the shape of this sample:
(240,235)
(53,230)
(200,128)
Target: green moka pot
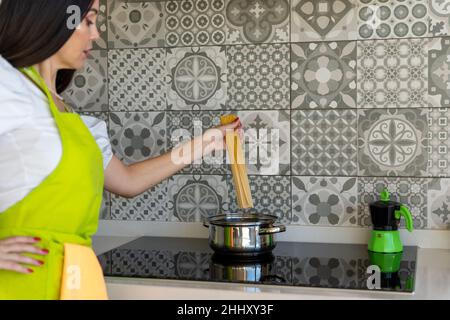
(386,215)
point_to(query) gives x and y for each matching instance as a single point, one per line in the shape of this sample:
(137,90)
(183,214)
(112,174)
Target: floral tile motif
(393,142)
(195,22)
(325,272)
(412,192)
(324,201)
(143,263)
(392,18)
(323,75)
(137,79)
(193,265)
(271,195)
(102,26)
(316,20)
(439,72)
(88,89)
(150,205)
(324,142)
(393,73)
(194,197)
(258,77)
(138,136)
(439,142)
(135,24)
(183,126)
(257,21)
(197,78)
(267,141)
(438,204)
(439,17)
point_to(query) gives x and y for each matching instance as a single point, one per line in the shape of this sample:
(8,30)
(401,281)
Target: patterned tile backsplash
(353,95)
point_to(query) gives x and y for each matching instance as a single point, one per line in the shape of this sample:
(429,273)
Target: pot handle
(205,223)
(274,229)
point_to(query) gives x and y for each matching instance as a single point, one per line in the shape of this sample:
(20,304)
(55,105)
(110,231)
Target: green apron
(64,208)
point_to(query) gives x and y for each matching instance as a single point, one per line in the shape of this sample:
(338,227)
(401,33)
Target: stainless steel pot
(243,234)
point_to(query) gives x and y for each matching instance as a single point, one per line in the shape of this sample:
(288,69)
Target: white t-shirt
(30,145)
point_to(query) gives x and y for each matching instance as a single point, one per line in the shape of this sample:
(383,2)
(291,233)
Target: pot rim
(242,219)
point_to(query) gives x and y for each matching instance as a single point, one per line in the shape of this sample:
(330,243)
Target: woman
(53,163)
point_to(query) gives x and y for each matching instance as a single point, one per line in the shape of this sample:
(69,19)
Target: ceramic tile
(182,126)
(438,203)
(324,142)
(88,90)
(105,210)
(439,72)
(195,22)
(271,195)
(137,80)
(439,142)
(439,17)
(412,192)
(267,141)
(393,142)
(392,18)
(197,78)
(135,24)
(325,272)
(257,21)
(258,77)
(194,197)
(193,265)
(150,205)
(316,20)
(137,136)
(392,73)
(324,201)
(323,75)
(102,26)
(128,262)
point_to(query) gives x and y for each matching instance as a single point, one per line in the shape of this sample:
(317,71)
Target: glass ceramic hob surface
(342,266)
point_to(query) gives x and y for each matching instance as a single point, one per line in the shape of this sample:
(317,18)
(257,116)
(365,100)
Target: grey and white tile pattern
(393,142)
(88,90)
(149,206)
(128,262)
(137,80)
(194,197)
(324,142)
(438,203)
(258,77)
(325,201)
(102,26)
(393,73)
(135,24)
(197,78)
(439,142)
(412,192)
(195,22)
(257,21)
(439,17)
(392,18)
(439,72)
(137,136)
(323,75)
(271,195)
(318,20)
(267,141)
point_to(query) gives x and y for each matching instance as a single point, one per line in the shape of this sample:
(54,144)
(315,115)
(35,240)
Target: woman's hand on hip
(12,252)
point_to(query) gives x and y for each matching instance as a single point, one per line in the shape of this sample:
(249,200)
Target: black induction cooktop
(342,266)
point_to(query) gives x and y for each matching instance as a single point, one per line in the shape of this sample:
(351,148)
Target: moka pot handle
(404,211)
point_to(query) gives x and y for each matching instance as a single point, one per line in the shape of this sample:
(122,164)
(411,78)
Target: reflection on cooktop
(344,266)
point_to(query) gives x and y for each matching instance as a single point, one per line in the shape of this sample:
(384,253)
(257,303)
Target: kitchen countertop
(432,282)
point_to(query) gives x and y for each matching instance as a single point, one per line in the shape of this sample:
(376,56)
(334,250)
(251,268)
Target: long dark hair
(31,31)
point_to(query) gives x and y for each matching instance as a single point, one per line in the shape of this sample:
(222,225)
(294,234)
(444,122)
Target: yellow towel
(82,277)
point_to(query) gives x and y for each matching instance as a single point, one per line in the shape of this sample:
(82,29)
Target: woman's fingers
(24,248)
(13,240)
(13,266)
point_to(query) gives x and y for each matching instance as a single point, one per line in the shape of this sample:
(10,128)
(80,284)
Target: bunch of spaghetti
(238,166)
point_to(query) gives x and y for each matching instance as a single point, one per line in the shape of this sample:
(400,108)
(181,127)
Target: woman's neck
(48,70)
